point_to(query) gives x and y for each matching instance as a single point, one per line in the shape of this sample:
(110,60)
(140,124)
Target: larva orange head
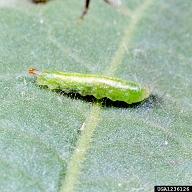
(33,71)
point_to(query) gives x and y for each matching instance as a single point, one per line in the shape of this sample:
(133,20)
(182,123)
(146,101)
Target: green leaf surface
(55,143)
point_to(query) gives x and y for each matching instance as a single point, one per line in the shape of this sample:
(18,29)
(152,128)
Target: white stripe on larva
(95,80)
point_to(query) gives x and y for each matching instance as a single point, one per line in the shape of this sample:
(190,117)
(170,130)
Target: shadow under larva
(148,103)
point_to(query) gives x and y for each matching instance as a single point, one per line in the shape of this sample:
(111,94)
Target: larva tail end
(33,72)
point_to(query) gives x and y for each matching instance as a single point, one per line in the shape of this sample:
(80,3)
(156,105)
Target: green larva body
(97,85)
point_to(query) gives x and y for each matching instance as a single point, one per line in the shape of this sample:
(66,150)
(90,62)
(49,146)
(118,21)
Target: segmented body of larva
(89,84)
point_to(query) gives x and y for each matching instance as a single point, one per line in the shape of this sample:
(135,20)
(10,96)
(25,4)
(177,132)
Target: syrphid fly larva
(90,84)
